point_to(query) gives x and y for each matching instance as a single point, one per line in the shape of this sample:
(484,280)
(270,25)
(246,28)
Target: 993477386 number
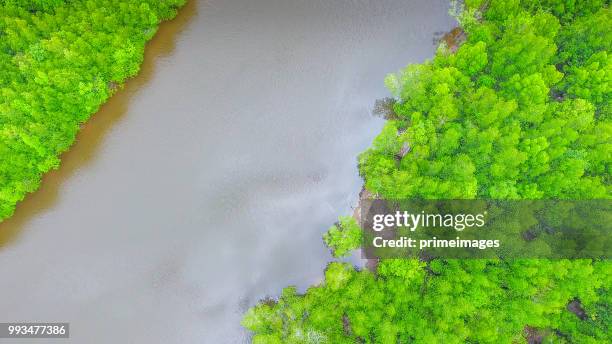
(34,330)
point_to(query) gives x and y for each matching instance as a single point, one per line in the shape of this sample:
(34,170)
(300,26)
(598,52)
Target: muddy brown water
(205,184)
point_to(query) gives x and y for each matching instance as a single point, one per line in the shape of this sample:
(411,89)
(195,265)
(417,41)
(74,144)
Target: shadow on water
(85,149)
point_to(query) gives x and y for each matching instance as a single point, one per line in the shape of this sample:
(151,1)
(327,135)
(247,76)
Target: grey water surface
(205,185)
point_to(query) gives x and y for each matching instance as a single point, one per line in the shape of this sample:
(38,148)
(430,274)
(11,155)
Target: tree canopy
(520,110)
(59,61)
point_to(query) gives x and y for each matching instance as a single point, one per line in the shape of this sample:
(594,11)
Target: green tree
(520,111)
(59,60)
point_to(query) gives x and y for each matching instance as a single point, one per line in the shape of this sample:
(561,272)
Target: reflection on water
(206,183)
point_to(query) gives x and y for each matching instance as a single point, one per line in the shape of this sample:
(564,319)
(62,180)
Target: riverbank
(60,73)
(483,120)
(87,145)
(176,182)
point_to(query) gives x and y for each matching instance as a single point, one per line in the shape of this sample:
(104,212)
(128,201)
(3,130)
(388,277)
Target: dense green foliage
(513,114)
(473,301)
(521,110)
(59,60)
(344,236)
